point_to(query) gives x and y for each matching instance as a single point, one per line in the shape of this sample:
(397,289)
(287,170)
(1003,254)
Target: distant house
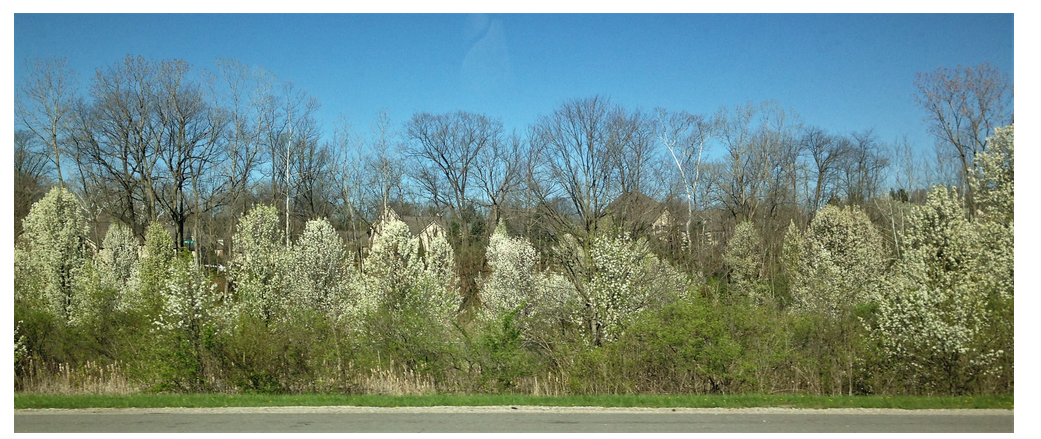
(427,228)
(530,222)
(638,213)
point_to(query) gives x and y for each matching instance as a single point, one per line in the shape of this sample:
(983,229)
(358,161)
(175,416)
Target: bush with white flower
(838,262)
(397,275)
(512,282)
(614,280)
(118,264)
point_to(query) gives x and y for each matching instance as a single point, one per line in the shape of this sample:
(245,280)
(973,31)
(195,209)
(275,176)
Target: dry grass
(548,384)
(89,379)
(397,381)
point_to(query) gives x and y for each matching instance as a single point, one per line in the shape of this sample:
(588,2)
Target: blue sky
(846,72)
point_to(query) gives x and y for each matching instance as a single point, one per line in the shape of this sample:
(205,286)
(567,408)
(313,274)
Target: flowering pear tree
(935,306)
(55,238)
(394,260)
(512,281)
(838,262)
(258,267)
(542,299)
(317,270)
(993,186)
(439,277)
(947,318)
(189,300)
(153,271)
(744,257)
(118,262)
(397,275)
(616,279)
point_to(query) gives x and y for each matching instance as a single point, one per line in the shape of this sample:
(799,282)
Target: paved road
(507,419)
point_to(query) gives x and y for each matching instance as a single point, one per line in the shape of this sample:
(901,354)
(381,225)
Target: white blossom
(616,279)
(153,271)
(190,300)
(317,270)
(744,257)
(837,263)
(54,235)
(512,281)
(396,275)
(118,263)
(938,303)
(258,268)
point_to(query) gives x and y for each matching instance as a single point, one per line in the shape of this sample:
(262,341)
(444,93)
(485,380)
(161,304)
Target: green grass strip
(22,400)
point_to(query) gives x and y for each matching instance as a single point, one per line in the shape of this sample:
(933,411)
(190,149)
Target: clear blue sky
(846,72)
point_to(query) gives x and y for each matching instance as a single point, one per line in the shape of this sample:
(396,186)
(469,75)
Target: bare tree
(964,105)
(758,142)
(117,137)
(385,166)
(240,89)
(45,104)
(314,187)
(30,169)
(446,150)
(498,172)
(862,167)
(579,149)
(288,126)
(189,148)
(685,136)
(825,153)
(350,182)
(633,134)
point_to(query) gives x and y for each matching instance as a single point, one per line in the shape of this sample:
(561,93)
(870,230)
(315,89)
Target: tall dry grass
(90,378)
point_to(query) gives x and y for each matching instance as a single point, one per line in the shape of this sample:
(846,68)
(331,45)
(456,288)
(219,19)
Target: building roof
(635,207)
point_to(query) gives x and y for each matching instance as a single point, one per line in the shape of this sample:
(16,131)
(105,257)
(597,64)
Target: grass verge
(22,401)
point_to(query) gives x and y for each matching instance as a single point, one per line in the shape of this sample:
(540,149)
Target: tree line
(548,262)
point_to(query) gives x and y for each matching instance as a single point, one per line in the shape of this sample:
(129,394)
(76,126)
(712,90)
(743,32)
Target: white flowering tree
(394,258)
(153,271)
(397,275)
(439,278)
(258,268)
(543,300)
(993,186)
(189,300)
(317,269)
(837,263)
(55,251)
(118,263)
(512,281)
(946,316)
(614,280)
(189,304)
(744,258)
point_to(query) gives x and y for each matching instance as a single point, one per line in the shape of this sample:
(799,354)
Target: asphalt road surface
(508,419)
